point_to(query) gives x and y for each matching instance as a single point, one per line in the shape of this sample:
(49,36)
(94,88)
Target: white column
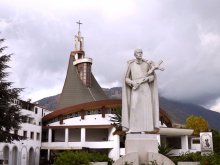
(114,153)
(66,135)
(48,154)
(49,135)
(184,143)
(10,157)
(83,135)
(158,139)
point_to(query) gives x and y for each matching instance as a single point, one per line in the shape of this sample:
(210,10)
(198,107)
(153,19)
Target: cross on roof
(79,24)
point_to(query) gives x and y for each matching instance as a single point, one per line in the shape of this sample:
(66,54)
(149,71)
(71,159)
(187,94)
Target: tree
(116,122)
(10,117)
(216,141)
(198,124)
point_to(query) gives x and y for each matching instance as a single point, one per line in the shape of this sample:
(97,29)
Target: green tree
(116,122)
(198,124)
(10,116)
(216,141)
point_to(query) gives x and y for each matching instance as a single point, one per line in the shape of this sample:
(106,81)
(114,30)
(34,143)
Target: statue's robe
(140,107)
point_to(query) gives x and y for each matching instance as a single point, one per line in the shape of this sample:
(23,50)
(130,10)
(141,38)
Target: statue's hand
(155,66)
(151,78)
(135,85)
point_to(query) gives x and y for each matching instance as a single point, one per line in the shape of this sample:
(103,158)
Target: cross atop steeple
(79,40)
(79,24)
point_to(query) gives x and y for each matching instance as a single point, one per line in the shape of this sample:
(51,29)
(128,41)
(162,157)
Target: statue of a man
(140,107)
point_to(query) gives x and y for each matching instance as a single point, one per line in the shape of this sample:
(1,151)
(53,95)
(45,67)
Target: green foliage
(116,122)
(211,159)
(98,157)
(164,149)
(71,158)
(10,117)
(198,124)
(116,119)
(80,157)
(216,141)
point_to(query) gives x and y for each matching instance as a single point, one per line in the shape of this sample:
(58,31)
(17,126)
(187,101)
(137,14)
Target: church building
(82,121)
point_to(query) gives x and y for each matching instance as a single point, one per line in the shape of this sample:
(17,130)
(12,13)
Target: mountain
(50,102)
(177,111)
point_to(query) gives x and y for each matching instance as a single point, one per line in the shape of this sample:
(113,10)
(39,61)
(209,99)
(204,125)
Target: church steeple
(80,85)
(82,63)
(79,40)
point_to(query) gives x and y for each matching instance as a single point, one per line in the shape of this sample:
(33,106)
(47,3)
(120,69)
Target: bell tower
(82,63)
(80,85)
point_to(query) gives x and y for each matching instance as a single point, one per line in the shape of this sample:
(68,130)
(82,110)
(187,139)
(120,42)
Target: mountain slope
(177,111)
(50,102)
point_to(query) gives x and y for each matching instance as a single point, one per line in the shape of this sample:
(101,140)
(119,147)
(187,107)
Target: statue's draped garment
(140,107)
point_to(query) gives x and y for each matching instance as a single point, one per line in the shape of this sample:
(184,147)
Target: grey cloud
(184,34)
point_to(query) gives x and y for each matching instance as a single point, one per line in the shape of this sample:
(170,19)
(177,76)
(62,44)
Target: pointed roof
(75,92)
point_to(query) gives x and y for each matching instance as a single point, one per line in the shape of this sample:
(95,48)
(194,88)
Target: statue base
(142,149)
(141,144)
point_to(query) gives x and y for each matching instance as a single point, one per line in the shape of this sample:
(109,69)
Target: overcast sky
(184,34)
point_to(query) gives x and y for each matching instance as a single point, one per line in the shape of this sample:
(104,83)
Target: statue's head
(138,53)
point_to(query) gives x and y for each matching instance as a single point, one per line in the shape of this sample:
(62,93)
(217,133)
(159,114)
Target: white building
(25,152)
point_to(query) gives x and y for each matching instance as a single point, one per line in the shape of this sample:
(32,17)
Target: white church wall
(95,119)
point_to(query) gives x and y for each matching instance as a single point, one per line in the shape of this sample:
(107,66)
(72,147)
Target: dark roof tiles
(75,92)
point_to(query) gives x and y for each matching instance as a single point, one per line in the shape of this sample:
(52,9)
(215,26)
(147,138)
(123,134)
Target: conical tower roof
(80,85)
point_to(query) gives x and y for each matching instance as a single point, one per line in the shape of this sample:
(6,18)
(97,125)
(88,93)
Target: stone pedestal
(142,144)
(142,149)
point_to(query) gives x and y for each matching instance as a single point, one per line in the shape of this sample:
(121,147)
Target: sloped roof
(75,92)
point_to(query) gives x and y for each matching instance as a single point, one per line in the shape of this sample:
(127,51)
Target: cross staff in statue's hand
(150,77)
(155,66)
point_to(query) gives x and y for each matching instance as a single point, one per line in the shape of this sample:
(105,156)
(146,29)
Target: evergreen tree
(10,117)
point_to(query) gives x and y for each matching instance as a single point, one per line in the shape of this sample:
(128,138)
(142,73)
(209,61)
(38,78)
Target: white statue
(140,107)
(79,42)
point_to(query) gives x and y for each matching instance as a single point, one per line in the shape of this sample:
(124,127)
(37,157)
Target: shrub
(164,149)
(71,158)
(211,159)
(98,157)
(80,158)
